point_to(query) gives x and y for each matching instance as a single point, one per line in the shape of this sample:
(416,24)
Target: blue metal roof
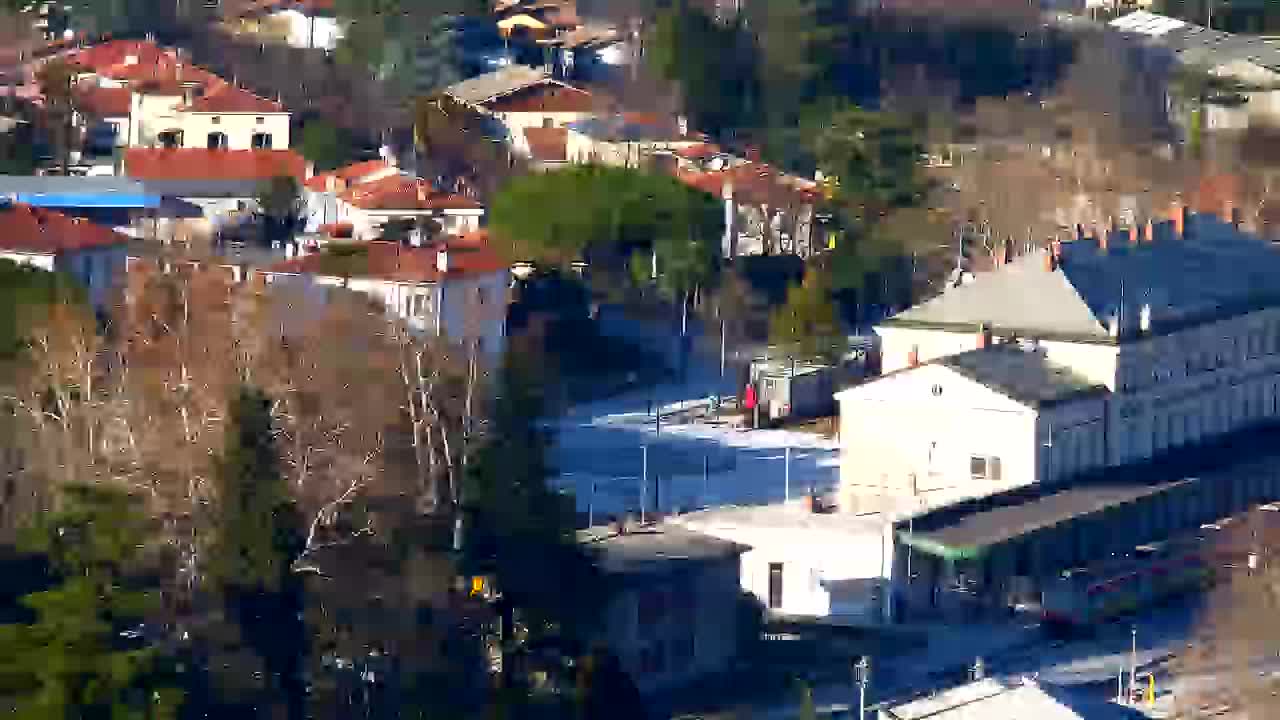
(78,192)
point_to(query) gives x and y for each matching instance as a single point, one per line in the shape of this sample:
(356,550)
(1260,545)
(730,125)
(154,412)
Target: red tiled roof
(548,144)
(401,192)
(337,229)
(349,175)
(544,97)
(198,163)
(105,55)
(1214,192)
(398,263)
(102,102)
(227,98)
(701,151)
(27,229)
(753,182)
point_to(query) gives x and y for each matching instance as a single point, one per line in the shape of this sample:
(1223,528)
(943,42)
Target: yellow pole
(1151,690)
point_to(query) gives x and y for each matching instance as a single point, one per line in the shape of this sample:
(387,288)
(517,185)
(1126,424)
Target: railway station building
(1048,411)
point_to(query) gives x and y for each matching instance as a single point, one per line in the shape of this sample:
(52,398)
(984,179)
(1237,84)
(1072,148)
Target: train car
(1084,597)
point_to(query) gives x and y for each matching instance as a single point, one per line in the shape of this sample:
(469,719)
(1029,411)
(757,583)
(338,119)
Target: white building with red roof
(456,289)
(224,184)
(171,102)
(364,197)
(322,189)
(93,254)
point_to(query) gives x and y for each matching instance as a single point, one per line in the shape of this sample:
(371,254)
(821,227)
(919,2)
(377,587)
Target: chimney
(442,260)
(913,356)
(1179,221)
(310,170)
(422,193)
(984,336)
(682,125)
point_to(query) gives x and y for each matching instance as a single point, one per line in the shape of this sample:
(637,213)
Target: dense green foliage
(806,326)
(26,293)
(259,535)
(564,216)
(72,660)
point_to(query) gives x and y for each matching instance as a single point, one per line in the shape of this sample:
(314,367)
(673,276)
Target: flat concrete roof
(653,549)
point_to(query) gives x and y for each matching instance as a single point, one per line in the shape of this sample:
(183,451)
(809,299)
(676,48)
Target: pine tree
(79,657)
(251,564)
(520,530)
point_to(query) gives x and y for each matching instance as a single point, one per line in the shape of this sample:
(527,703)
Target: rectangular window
(216,120)
(775,586)
(982,467)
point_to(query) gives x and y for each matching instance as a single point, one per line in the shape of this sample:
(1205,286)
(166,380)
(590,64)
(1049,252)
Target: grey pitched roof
(618,129)
(1198,45)
(1022,374)
(483,88)
(1216,271)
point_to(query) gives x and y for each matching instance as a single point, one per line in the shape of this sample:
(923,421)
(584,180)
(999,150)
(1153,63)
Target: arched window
(217,141)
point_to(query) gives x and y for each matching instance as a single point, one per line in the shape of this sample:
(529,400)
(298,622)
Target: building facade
(1098,353)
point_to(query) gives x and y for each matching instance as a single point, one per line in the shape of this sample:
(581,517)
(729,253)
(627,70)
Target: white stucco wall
(152,115)
(475,307)
(896,344)
(516,122)
(44,262)
(239,129)
(834,566)
(309,31)
(367,225)
(898,437)
(1183,388)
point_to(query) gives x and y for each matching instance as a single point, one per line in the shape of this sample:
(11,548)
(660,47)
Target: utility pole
(862,676)
(706,478)
(644,478)
(786,474)
(1133,660)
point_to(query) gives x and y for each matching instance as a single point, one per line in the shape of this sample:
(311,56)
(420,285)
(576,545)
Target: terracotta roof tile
(548,144)
(102,102)
(27,229)
(544,97)
(755,182)
(401,192)
(397,263)
(198,163)
(701,151)
(226,98)
(349,175)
